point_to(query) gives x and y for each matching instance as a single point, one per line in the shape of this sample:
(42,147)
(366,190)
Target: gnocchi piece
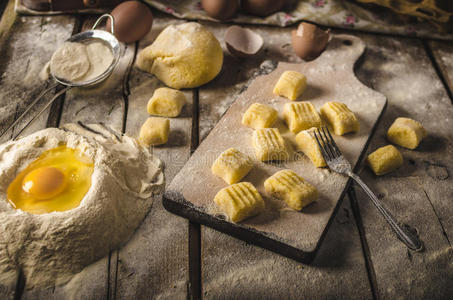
(286,185)
(239,201)
(259,116)
(385,160)
(166,102)
(406,132)
(306,142)
(340,118)
(232,165)
(269,145)
(300,116)
(154,131)
(291,85)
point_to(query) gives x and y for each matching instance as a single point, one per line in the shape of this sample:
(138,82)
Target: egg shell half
(243,42)
(309,40)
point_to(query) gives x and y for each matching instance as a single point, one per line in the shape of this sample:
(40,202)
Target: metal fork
(336,162)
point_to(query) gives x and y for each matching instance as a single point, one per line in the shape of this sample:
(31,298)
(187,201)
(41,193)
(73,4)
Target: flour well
(51,248)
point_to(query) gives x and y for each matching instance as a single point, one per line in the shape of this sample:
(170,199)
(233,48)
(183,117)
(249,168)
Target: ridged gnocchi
(300,116)
(340,118)
(286,185)
(269,145)
(240,201)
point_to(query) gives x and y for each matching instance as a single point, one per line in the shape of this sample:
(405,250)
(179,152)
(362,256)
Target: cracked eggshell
(309,40)
(243,42)
(220,9)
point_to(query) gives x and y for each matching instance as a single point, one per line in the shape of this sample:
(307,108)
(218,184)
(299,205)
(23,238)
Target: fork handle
(404,232)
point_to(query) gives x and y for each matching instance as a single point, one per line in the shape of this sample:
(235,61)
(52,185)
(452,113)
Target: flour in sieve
(78,62)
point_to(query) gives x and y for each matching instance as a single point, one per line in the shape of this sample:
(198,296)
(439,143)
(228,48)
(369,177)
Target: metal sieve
(108,38)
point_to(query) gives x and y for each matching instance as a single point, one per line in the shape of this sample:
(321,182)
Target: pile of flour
(51,248)
(77,62)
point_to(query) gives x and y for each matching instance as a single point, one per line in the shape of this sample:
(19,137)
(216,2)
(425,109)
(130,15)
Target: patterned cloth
(331,13)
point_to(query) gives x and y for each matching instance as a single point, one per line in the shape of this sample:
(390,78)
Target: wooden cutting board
(294,234)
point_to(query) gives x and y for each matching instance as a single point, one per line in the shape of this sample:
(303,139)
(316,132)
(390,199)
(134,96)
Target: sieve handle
(55,97)
(112,30)
(29,108)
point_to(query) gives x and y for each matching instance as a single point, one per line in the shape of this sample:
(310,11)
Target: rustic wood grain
(26,45)
(442,52)
(153,264)
(103,103)
(232,268)
(419,193)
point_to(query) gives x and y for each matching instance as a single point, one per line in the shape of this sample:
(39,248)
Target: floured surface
(330,78)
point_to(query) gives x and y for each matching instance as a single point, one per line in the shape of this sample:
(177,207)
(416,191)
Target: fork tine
(333,142)
(323,152)
(326,143)
(327,155)
(329,142)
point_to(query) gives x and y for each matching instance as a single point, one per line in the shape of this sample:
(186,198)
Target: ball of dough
(183,56)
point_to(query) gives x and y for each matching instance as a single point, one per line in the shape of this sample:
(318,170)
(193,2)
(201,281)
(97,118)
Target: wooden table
(168,258)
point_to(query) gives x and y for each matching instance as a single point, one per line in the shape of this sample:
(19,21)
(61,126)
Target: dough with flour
(50,248)
(183,56)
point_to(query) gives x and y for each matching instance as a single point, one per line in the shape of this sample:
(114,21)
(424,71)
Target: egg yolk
(56,181)
(44,183)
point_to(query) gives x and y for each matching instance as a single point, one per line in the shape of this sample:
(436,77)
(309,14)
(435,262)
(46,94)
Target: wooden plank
(234,269)
(103,103)
(153,264)
(442,52)
(26,45)
(419,193)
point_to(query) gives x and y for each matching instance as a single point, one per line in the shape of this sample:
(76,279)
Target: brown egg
(220,9)
(132,21)
(262,7)
(309,40)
